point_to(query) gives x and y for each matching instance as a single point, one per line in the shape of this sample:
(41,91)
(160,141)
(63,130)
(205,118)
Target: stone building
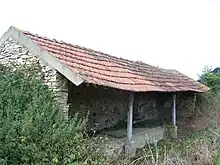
(111,89)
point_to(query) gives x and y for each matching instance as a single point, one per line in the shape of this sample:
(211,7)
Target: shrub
(33,129)
(211,78)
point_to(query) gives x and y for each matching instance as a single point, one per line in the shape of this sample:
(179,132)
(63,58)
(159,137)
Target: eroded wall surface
(155,105)
(107,106)
(15,55)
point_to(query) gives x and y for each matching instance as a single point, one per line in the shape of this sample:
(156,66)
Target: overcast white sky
(182,35)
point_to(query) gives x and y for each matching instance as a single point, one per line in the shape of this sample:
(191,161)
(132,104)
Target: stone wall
(106,106)
(157,105)
(146,106)
(186,102)
(15,55)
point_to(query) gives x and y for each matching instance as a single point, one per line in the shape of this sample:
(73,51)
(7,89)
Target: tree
(211,78)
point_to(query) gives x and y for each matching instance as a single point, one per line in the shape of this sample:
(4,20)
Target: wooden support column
(130,117)
(174,110)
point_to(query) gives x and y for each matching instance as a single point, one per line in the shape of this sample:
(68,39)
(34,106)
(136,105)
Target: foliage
(211,79)
(33,129)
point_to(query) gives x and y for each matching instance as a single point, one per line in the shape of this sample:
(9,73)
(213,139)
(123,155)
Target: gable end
(42,54)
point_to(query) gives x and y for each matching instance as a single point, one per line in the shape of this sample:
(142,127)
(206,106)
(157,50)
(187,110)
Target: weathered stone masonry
(106,106)
(15,55)
(155,105)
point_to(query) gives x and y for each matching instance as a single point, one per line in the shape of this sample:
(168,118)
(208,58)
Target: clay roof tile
(106,70)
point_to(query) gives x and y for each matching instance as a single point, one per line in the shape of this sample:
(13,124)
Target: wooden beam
(130,117)
(174,110)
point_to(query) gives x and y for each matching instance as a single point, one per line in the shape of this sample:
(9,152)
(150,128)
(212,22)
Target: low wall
(141,138)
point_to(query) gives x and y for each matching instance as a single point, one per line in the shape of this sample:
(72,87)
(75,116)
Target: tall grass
(200,148)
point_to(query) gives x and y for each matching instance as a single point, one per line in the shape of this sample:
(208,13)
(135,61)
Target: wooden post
(130,117)
(174,110)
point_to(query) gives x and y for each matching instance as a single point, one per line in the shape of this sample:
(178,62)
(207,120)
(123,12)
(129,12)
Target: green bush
(211,78)
(33,129)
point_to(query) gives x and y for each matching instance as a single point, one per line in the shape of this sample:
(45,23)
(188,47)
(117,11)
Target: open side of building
(112,90)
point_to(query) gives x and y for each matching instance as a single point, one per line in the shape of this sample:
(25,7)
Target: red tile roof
(102,69)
